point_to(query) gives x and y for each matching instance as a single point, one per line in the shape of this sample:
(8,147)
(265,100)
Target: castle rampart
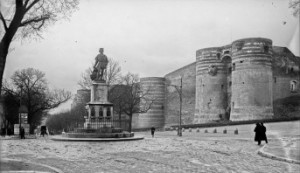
(251,79)
(154,89)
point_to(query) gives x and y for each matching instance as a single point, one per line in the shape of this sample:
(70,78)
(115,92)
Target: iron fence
(100,123)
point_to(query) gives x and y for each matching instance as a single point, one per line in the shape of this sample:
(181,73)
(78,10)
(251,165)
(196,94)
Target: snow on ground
(166,152)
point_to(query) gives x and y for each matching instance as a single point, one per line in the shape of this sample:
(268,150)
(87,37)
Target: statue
(99,66)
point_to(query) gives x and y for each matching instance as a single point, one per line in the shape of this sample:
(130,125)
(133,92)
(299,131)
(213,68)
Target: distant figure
(258,132)
(22,132)
(101,62)
(152,131)
(263,133)
(44,131)
(36,132)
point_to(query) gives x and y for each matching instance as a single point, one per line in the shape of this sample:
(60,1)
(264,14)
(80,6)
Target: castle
(245,80)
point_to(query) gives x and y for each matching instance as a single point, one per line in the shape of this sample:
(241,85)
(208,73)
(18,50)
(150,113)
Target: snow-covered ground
(166,152)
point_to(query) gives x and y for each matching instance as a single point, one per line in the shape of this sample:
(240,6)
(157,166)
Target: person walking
(263,133)
(152,131)
(258,133)
(22,133)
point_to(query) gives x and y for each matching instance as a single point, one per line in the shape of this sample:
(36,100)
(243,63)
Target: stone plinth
(99,92)
(100,110)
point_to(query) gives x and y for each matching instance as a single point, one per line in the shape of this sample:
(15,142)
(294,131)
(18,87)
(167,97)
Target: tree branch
(3,21)
(35,20)
(30,5)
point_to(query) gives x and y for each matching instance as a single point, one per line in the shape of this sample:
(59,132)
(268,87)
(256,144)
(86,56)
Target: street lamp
(23,113)
(179,90)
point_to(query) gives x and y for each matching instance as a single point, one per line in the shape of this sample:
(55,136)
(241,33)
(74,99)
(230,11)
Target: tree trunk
(130,122)
(8,36)
(3,54)
(120,119)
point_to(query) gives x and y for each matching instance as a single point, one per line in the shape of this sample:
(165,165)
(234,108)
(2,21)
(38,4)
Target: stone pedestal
(17,128)
(100,110)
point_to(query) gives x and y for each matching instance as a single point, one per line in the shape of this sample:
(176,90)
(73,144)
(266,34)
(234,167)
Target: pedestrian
(258,132)
(22,133)
(43,130)
(263,133)
(36,132)
(152,131)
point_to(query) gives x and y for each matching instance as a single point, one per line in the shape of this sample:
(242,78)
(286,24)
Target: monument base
(17,128)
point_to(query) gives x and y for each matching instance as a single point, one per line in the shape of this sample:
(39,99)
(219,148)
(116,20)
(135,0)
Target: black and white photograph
(150,86)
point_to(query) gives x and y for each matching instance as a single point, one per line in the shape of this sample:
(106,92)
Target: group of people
(260,133)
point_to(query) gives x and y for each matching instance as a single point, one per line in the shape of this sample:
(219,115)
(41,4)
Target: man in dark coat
(263,133)
(258,133)
(22,133)
(152,131)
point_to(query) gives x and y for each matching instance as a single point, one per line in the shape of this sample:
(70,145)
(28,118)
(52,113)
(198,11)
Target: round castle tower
(251,79)
(211,79)
(154,90)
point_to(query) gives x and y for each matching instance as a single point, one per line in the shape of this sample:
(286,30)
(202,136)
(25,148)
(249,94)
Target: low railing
(100,123)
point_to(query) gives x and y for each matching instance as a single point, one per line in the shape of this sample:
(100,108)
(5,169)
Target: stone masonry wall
(172,102)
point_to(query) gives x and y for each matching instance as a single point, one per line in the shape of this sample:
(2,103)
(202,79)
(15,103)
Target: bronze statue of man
(99,66)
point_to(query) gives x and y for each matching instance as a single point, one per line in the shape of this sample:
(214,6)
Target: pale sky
(149,37)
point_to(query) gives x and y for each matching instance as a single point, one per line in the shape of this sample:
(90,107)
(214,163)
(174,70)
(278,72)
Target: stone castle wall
(240,81)
(153,88)
(211,82)
(172,103)
(251,79)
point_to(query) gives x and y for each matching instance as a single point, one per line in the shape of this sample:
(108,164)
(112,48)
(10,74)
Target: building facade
(248,79)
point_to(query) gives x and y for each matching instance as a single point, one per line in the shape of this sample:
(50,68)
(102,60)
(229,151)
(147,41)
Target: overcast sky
(149,37)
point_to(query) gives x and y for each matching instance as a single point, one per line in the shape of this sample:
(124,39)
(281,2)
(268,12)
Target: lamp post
(20,113)
(179,90)
(23,113)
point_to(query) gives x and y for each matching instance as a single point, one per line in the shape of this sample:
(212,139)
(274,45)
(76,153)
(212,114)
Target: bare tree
(31,87)
(86,81)
(112,74)
(28,18)
(131,98)
(295,5)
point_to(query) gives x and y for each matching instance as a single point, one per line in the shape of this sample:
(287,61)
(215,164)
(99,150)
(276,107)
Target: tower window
(226,52)
(266,49)
(293,86)
(229,69)
(222,86)
(274,79)
(218,55)
(230,83)
(233,66)
(239,46)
